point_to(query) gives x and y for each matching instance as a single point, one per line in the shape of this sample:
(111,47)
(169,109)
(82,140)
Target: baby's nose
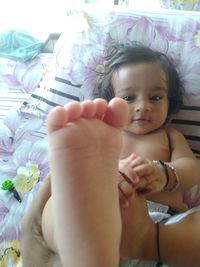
(143,106)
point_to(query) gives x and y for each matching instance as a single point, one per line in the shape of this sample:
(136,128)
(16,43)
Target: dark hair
(120,54)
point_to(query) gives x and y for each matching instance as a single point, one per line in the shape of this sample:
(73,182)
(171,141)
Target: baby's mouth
(142,120)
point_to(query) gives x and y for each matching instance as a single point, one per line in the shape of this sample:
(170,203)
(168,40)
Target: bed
(69,74)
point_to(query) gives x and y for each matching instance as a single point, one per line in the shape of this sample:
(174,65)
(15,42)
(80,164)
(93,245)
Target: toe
(73,110)
(56,118)
(101,107)
(117,113)
(88,109)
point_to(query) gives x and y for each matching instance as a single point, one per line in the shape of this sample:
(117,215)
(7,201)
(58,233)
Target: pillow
(181,4)
(19,79)
(81,49)
(80,52)
(54,90)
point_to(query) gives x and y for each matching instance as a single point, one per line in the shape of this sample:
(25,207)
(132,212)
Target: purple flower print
(14,129)
(10,216)
(32,164)
(144,30)
(71,53)
(25,76)
(84,70)
(29,75)
(3,87)
(12,213)
(28,166)
(191,34)
(188,67)
(3,211)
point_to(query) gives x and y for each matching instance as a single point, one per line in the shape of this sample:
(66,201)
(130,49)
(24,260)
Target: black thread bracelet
(166,172)
(159,263)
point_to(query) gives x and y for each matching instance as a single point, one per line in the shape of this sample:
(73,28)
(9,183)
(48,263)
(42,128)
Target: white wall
(39,17)
(35,16)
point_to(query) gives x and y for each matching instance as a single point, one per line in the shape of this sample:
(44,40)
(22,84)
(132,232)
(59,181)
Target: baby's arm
(183,160)
(153,178)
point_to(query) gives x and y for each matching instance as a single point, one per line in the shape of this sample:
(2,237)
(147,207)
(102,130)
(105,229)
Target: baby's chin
(140,129)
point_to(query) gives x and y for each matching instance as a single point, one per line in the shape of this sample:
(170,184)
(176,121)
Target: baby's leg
(84,148)
(138,239)
(140,233)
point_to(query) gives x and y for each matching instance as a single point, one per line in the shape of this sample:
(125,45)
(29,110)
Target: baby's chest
(154,147)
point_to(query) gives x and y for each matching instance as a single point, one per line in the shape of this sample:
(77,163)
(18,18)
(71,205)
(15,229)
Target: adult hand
(33,246)
(127,180)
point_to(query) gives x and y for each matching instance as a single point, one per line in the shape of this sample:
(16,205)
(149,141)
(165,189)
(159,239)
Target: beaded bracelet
(164,168)
(177,180)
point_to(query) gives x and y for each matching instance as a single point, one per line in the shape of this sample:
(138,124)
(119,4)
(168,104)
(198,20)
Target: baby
(92,143)
(148,81)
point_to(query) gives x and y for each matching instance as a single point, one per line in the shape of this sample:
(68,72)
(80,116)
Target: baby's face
(144,87)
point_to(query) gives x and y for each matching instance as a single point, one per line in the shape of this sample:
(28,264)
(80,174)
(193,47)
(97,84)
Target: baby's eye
(128,98)
(156,97)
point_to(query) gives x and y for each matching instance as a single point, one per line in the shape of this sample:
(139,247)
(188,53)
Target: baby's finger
(143,183)
(131,158)
(137,161)
(144,169)
(123,201)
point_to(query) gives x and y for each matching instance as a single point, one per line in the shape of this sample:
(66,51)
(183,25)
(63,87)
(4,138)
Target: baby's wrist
(163,167)
(172,178)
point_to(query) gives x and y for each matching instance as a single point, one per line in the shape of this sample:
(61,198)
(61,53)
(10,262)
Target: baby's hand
(152,177)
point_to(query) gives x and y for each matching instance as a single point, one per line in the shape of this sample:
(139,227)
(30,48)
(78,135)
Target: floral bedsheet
(79,54)
(23,151)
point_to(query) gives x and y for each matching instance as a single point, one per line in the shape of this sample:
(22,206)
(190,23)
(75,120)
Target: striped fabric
(60,92)
(13,98)
(18,80)
(187,121)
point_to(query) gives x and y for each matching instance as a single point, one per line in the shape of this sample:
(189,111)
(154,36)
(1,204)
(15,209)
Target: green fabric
(19,45)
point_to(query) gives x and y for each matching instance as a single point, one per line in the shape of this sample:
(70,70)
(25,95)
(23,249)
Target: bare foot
(84,147)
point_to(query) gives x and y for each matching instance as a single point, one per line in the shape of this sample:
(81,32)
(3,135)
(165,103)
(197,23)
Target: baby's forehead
(151,72)
(141,65)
